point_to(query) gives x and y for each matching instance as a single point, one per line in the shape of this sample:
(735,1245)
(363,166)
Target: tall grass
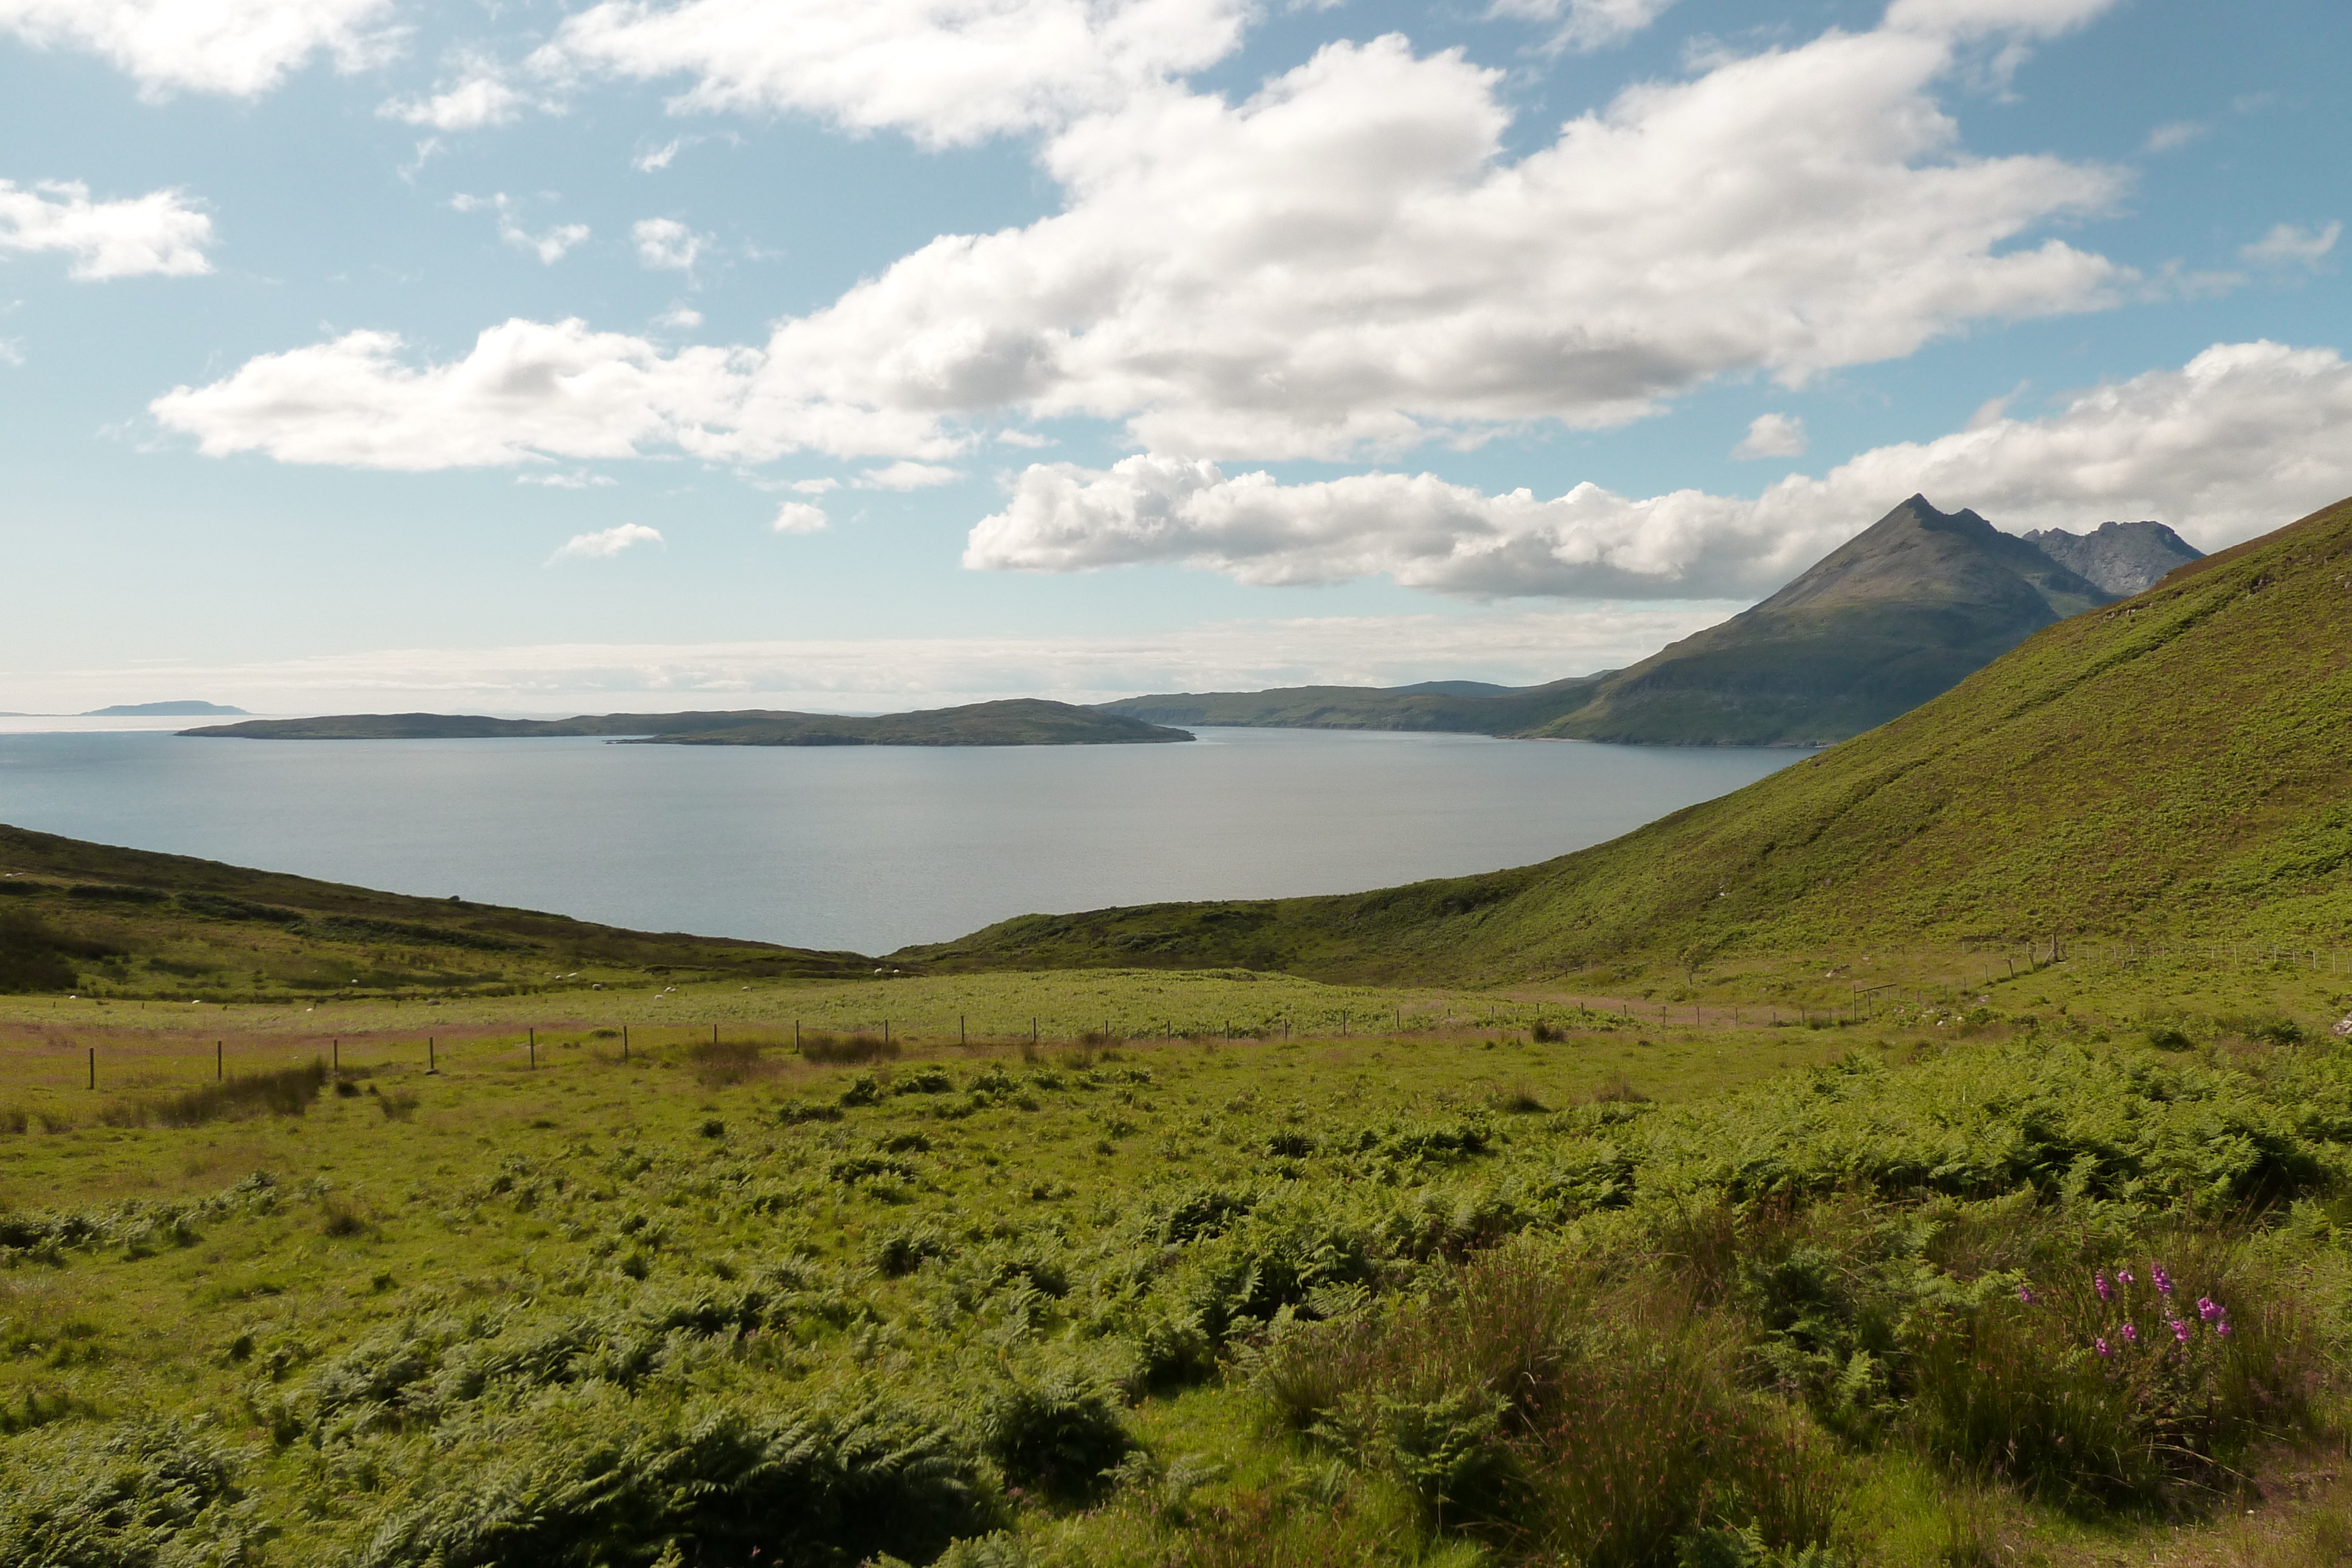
(1602,1424)
(286,1092)
(847,1049)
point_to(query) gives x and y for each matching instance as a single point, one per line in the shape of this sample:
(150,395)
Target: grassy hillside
(127,923)
(1020,721)
(2177,765)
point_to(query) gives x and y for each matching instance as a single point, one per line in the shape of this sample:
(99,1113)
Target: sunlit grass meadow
(1164,1286)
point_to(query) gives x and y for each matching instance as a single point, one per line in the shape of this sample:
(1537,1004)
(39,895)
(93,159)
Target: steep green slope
(2177,763)
(1020,721)
(98,919)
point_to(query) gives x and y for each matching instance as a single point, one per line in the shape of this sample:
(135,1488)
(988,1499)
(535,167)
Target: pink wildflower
(2025,1293)
(2179,1331)
(2131,1335)
(2208,1309)
(2099,1283)
(2100,1345)
(2223,1328)
(2163,1281)
(2123,1276)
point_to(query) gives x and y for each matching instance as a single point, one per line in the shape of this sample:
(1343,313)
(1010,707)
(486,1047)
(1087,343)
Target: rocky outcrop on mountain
(2124,558)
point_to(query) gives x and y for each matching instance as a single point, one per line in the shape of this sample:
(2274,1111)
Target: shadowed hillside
(2177,764)
(77,916)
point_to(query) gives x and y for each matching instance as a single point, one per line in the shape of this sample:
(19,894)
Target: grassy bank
(1632,1294)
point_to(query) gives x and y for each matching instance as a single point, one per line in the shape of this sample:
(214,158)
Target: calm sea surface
(866,848)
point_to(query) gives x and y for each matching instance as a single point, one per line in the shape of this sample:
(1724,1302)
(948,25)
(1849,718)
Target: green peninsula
(1019,721)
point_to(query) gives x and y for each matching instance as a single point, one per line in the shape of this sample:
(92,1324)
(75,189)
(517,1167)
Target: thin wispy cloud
(908,477)
(606,543)
(885,673)
(549,245)
(2292,245)
(479,94)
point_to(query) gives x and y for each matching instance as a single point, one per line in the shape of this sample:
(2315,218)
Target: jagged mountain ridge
(2124,558)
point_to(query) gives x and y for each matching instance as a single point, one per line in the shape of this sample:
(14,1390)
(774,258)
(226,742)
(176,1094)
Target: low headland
(1017,721)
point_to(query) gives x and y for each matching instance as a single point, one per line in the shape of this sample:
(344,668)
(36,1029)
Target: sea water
(864,848)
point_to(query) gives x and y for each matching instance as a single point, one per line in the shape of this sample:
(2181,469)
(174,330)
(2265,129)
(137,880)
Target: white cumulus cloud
(155,234)
(606,543)
(527,390)
(1348,263)
(2244,438)
(667,244)
(799,517)
(1772,435)
(240,48)
(2288,244)
(946,72)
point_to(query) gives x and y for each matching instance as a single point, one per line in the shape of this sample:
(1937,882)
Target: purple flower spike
(2179,1331)
(2101,1346)
(2223,1328)
(2131,1335)
(2163,1281)
(2099,1283)
(2208,1309)
(2123,1276)
(2025,1293)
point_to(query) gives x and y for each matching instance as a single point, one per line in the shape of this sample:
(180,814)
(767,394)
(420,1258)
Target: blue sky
(537,357)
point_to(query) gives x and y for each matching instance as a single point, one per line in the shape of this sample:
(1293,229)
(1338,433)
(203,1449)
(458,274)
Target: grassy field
(1436,1290)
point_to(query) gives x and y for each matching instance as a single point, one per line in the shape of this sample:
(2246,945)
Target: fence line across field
(1865,1003)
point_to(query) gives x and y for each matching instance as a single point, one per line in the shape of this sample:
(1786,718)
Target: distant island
(161,710)
(1019,721)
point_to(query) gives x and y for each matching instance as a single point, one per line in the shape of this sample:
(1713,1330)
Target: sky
(537,356)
